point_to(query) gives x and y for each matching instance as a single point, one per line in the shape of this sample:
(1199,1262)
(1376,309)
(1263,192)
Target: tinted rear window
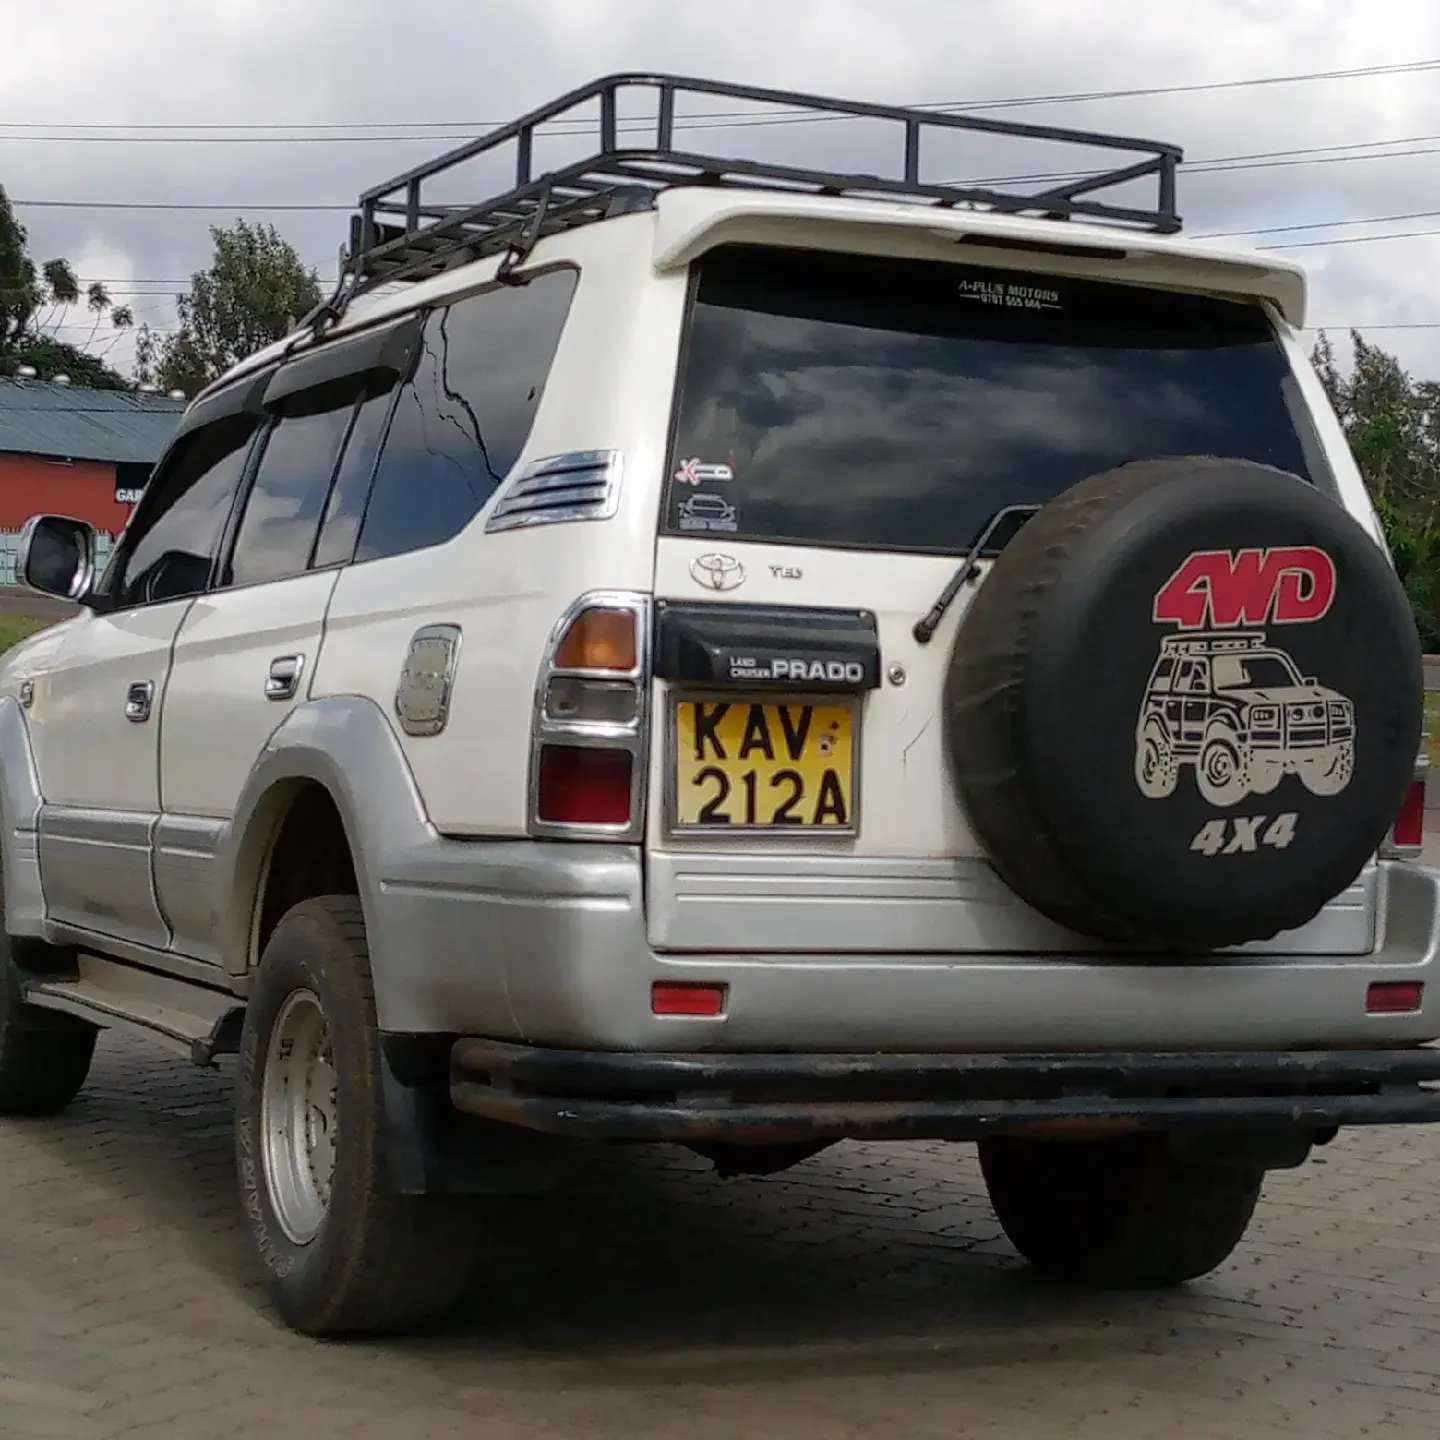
(845,400)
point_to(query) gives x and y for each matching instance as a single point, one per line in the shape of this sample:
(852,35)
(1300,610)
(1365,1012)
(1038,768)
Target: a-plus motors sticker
(1226,702)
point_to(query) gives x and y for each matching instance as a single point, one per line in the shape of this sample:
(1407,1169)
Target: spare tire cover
(1185,704)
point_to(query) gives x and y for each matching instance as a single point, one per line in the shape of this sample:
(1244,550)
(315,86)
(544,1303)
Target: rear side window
(462,419)
(282,511)
(345,508)
(872,403)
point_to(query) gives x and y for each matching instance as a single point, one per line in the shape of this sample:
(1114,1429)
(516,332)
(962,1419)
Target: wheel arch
(21,801)
(332,770)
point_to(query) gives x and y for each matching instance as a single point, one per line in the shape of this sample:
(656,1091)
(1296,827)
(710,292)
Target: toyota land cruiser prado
(745,656)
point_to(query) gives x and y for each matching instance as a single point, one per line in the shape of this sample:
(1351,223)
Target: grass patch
(1432,724)
(14,628)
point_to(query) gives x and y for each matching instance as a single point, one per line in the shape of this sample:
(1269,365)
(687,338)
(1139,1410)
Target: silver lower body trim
(547,944)
(757,903)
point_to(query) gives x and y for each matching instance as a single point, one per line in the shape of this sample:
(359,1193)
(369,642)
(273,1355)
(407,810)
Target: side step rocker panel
(190,1020)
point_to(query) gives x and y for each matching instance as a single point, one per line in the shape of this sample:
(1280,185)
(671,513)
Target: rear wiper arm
(926,628)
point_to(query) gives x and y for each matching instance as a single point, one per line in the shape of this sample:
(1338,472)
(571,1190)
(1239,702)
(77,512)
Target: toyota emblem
(717,572)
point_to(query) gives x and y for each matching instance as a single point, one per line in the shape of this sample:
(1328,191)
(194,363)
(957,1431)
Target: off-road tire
(1119,1214)
(1321,779)
(1159,783)
(1223,794)
(44,1056)
(1042,750)
(1265,775)
(381,1262)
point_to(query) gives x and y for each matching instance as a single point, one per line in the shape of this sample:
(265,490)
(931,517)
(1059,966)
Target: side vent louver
(584,485)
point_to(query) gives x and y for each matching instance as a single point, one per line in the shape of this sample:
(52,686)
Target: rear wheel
(345,1254)
(44,1057)
(1117,1214)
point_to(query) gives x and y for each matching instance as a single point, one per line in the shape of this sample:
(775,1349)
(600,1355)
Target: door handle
(284,678)
(138,699)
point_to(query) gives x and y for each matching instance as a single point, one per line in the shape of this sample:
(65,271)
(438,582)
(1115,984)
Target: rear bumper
(783,1099)
(546,944)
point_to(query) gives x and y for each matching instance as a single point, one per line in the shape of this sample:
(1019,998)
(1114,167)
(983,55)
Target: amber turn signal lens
(599,639)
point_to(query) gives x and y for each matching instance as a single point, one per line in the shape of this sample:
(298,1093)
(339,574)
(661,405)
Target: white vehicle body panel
(912,887)
(217,721)
(100,770)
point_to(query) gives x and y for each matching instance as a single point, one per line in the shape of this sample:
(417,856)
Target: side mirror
(56,556)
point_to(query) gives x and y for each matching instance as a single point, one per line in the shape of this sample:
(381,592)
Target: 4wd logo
(1225,701)
(1219,589)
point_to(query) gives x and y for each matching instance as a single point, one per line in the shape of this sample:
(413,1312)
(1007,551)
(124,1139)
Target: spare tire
(1185,704)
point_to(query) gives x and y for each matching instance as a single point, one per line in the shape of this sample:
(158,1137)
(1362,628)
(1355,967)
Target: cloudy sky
(140,124)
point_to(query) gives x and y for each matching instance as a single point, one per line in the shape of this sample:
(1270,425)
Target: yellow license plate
(762,765)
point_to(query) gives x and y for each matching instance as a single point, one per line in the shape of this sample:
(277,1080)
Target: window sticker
(707,515)
(702,472)
(1009,296)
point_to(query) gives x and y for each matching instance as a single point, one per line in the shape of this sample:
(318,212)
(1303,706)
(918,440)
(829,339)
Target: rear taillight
(583,786)
(1394,997)
(1409,829)
(687,997)
(1407,834)
(588,745)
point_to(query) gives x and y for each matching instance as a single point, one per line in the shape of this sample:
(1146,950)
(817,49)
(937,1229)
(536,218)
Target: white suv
(669,653)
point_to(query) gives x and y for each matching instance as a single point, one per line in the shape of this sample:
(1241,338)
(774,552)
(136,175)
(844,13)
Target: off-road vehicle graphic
(1238,709)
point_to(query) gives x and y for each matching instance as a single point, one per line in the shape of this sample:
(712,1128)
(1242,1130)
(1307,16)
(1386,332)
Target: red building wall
(82,488)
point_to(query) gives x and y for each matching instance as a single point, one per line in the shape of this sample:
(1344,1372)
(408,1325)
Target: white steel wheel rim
(298,1117)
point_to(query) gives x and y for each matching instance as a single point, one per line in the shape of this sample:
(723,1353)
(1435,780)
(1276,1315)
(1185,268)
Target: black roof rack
(400,235)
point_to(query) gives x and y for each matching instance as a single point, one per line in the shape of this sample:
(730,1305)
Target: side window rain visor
(380,356)
(244,397)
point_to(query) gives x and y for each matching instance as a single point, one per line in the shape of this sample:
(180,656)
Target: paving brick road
(866,1293)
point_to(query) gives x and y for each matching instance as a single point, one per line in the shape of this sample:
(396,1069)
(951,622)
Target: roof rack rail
(400,235)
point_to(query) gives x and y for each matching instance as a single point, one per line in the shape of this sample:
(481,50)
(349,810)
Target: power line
(1312,225)
(136,285)
(119,288)
(1349,240)
(172,205)
(1218,167)
(1219,164)
(701,120)
(1331,152)
(1252,160)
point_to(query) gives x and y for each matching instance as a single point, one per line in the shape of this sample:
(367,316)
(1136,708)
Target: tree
(32,298)
(56,357)
(1392,422)
(253,293)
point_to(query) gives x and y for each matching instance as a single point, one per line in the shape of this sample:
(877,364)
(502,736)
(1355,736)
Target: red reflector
(1410,821)
(682,997)
(1394,997)
(583,786)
